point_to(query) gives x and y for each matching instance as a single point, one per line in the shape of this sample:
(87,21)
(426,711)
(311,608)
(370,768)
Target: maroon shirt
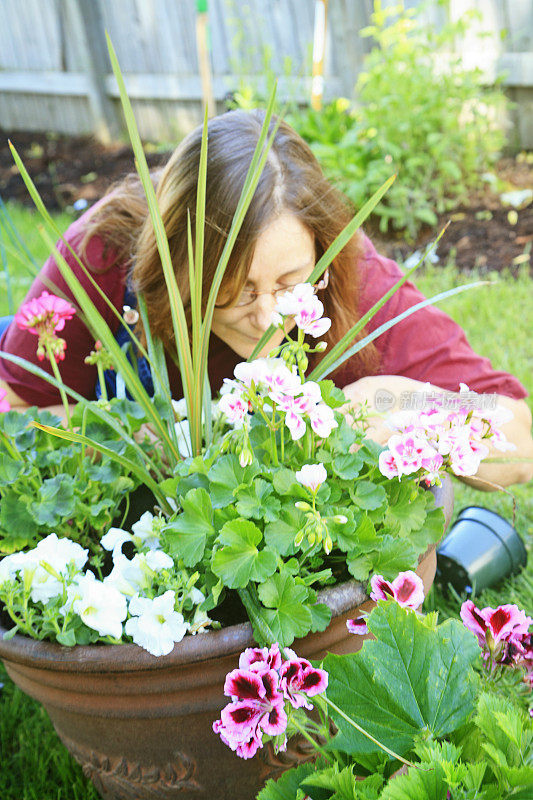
(427,346)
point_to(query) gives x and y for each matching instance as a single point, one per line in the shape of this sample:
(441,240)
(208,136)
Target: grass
(35,765)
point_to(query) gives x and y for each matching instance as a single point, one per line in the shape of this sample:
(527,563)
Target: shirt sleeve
(74,372)
(428,345)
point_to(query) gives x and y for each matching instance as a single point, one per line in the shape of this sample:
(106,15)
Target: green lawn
(497,320)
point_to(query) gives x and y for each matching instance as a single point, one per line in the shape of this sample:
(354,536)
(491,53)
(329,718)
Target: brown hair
(292,181)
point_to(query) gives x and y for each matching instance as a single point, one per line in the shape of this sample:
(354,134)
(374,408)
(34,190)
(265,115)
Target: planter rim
(233,639)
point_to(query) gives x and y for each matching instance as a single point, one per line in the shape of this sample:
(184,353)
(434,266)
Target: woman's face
(284,256)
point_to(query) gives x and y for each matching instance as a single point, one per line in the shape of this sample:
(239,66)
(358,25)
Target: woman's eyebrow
(292,271)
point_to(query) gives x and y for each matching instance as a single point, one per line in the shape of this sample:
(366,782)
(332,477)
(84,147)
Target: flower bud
(328,544)
(321,346)
(245,457)
(301,505)
(298,539)
(340,519)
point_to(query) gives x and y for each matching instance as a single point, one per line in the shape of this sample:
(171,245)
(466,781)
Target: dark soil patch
(69,169)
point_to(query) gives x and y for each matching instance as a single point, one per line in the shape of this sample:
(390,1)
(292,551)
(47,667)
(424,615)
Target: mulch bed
(67,169)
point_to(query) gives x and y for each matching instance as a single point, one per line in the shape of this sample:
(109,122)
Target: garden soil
(482,234)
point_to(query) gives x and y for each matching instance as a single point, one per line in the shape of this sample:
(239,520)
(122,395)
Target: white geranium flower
(100,606)
(134,575)
(154,624)
(312,476)
(180,407)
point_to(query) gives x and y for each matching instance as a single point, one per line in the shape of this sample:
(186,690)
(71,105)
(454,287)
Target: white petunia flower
(114,539)
(58,555)
(129,576)
(155,625)
(147,531)
(100,606)
(196,596)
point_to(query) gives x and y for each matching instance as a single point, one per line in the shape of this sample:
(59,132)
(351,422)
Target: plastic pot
(480,549)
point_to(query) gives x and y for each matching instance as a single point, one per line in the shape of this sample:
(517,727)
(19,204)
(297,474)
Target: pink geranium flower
(4,404)
(46,313)
(257,708)
(322,420)
(407,589)
(234,406)
(45,316)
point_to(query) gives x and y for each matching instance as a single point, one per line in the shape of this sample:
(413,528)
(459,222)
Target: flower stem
(354,724)
(310,739)
(101,381)
(57,375)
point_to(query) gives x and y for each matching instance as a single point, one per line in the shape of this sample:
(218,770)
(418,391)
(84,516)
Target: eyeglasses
(247,296)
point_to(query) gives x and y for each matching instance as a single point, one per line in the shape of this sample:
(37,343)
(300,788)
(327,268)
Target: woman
(294,215)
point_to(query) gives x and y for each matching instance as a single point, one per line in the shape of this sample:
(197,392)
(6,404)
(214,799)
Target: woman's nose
(262,311)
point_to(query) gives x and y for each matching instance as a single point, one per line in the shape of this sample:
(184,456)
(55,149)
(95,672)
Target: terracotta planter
(140,726)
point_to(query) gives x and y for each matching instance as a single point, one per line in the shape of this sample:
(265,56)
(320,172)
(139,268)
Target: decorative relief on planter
(119,779)
(298,752)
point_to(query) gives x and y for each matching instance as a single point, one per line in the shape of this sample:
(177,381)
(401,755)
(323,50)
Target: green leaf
(68,638)
(347,466)
(430,784)
(287,785)
(286,612)
(280,535)
(285,484)
(225,476)
(404,508)
(331,394)
(359,566)
(10,469)
(392,557)
(256,501)
(413,679)
(368,496)
(18,527)
(239,561)
(187,534)
(56,501)
(321,616)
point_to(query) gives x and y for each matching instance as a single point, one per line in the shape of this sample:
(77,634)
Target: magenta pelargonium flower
(407,589)
(263,690)
(357,626)
(507,623)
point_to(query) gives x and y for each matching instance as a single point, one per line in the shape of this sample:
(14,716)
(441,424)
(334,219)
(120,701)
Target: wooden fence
(55,74)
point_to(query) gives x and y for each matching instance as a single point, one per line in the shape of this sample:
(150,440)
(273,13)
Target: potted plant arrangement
(270,506)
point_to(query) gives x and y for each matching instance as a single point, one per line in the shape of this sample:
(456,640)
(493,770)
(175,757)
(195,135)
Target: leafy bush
(420,113)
